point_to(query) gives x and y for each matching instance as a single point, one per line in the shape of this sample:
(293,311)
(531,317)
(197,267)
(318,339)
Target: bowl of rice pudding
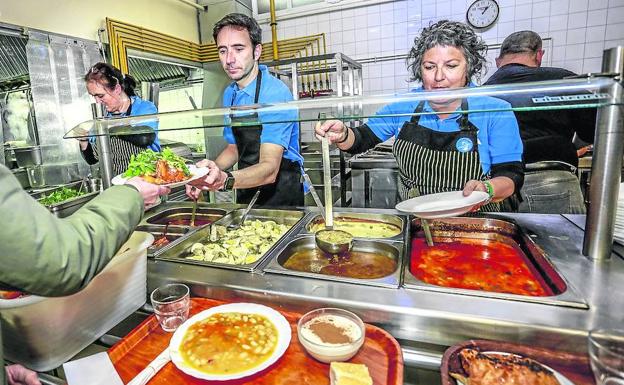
(330,334)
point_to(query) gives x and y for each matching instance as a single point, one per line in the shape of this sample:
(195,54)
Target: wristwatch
(229,182)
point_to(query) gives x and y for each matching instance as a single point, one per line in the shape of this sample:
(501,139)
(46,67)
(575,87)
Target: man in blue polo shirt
(268,155)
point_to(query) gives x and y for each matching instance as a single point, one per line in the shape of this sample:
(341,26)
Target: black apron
(287,189)
(432,162)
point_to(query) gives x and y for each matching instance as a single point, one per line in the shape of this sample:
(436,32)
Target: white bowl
(323,348)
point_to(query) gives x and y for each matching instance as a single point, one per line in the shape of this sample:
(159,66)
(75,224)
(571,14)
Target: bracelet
(345,138)
(489,189)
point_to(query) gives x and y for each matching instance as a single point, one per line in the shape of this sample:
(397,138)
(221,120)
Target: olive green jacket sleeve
(45,255)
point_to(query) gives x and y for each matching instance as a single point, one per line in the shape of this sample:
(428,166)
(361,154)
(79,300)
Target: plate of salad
(162,168)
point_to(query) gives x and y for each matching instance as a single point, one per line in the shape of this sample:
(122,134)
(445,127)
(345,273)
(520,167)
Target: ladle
(234,226)
(330,240)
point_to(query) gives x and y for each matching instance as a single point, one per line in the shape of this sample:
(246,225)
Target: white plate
(563,380)
(195,174)
(283,339)
(447,204)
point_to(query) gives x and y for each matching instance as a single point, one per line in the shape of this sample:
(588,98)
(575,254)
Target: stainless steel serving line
(426,321)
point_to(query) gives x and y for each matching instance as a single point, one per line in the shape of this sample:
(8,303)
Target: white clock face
(482,13)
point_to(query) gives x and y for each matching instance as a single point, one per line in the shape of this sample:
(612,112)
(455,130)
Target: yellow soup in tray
(229,343)
(360,228)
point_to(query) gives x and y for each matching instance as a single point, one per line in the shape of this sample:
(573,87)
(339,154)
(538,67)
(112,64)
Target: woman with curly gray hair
(438,146)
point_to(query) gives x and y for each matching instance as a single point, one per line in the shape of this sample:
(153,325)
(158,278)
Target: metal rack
(325,75)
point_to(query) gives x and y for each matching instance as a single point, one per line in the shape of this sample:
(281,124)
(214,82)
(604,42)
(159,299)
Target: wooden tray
(380,352)
(575,367)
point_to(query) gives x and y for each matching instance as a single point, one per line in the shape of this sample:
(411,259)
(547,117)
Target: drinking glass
(171,305)
(606,355)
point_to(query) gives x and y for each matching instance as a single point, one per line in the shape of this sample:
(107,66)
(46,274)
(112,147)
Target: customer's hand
(150,192)
(334,130)
(19,375)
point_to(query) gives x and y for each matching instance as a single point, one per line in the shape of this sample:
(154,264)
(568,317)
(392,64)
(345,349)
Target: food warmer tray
(397,220)
(487,226)
(178,250)
(393,250)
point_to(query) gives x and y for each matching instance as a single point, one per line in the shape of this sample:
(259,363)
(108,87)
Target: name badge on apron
(464,145)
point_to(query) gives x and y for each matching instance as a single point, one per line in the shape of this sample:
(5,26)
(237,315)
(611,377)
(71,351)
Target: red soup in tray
(476,264)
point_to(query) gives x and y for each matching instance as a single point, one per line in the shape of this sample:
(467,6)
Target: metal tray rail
(181,248)
(394,250)
(485,227)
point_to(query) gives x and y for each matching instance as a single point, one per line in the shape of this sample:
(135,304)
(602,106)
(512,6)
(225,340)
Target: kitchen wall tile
(595,33)
(559,53)
(505,29)
(616,3)
(576,36)
(400,5)
(386,31)
(523,11)
(506,14)
(559,7)
(361,34)
(348,13)
(558,22)
(348,23)
(574,52)
(387,44)
(333,16)
(373,19)
(615,15)
(592,65)
(540,9)
(578,6)
(598,4)
(374,47)
(443,9)
(594,50)
(614,31)
(577,20)
(348,36)
(558,37)
(613,43)
(348,49)
(597,17)
(385,7)
(521,25)
(399,16)
(428,11)
(540,25)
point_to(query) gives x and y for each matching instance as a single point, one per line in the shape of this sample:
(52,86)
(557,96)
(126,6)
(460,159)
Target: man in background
(550,184)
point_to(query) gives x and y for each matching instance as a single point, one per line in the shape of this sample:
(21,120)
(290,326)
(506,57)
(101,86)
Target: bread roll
(342,373)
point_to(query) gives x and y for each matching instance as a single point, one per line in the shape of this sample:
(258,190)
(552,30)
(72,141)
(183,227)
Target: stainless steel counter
(433,320)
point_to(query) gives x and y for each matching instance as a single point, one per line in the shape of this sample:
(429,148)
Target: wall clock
(482,14)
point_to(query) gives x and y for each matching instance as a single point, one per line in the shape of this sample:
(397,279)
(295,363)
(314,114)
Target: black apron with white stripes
(287,189)
(120,150)
(431,162)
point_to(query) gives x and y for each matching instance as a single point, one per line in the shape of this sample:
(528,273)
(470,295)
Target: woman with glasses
(115,91)
(438,146)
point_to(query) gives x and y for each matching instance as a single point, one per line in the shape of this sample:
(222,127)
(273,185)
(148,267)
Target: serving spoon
(330,240)
(234,226)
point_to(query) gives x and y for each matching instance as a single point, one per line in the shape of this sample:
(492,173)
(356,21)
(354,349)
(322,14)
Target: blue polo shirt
(498,135)
(143,107)
(272,90)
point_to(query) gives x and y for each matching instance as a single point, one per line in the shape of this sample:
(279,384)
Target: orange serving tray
(380,352)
